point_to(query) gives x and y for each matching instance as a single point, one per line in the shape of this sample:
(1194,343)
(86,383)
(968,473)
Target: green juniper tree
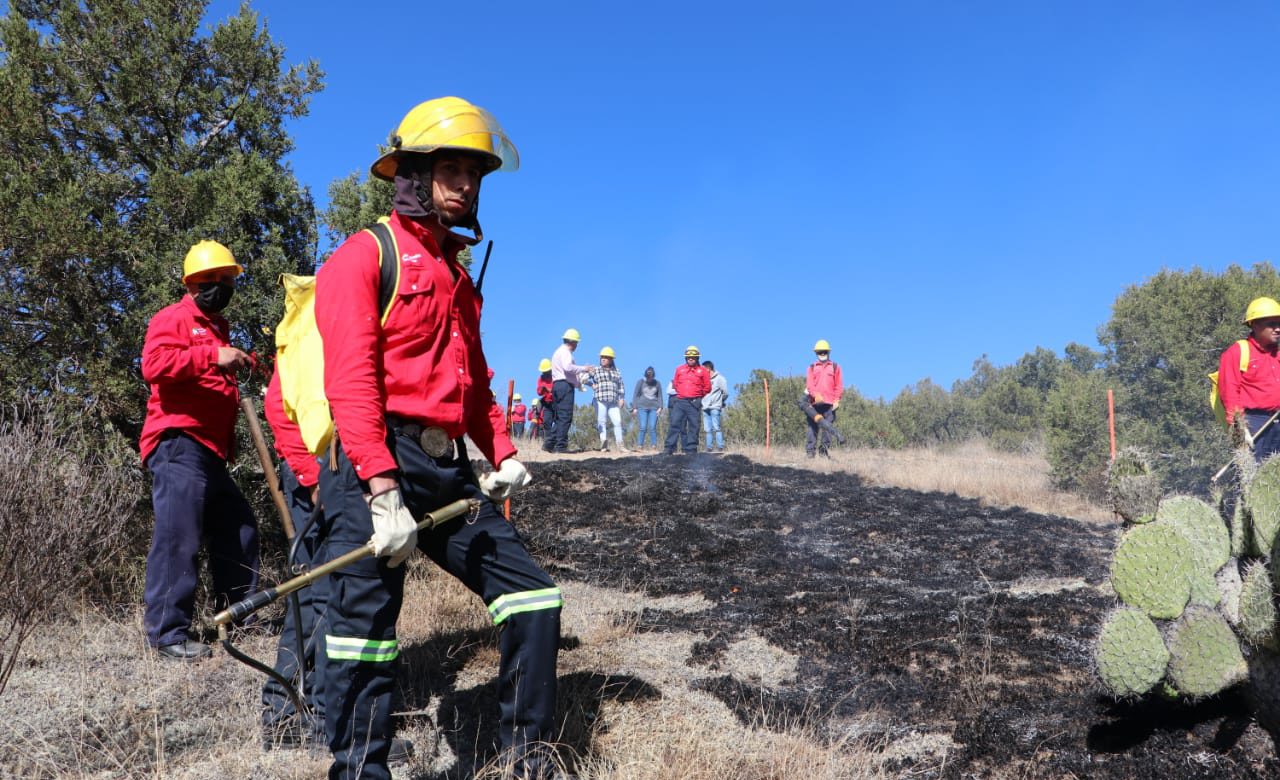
(128,133)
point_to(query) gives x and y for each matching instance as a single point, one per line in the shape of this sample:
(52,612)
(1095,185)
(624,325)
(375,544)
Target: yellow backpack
(1214,399)
(300,350)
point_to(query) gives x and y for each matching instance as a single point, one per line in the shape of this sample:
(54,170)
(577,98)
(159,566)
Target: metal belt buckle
(435,442)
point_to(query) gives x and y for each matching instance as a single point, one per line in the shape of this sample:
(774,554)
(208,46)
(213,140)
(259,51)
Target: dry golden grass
(972,470)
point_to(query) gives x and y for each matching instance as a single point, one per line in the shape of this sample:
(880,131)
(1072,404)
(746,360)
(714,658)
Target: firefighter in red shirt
(187,437)
(518,414)
(824,386)
(545,389)
(1249,376)
(691,382)
(282,727)
(403,392)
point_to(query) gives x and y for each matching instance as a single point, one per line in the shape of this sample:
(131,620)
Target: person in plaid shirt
(611,399)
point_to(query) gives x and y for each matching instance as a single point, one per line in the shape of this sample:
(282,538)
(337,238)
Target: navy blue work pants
(194,499)
(682,428)
(815,436)
(561,416)
(1267,443)
(307,625)
(485,554)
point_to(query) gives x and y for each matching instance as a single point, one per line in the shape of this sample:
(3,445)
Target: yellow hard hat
(207,256)
(691,351)
(1261,308)
(607,352)
(822,346)
(544,365)
(448,123)
(515,397)
(572,335)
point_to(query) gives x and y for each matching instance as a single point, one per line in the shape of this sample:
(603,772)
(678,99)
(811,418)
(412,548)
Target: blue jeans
(711,424)
(648,420)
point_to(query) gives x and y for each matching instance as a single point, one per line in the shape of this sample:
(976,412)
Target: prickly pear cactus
(1262,500)
(1152,570)
(1229,585)
(1133,490)
(1204,654)
(1130,656)
(1202,526)
(1257,606)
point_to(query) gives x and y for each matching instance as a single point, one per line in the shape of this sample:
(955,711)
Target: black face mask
(214,296)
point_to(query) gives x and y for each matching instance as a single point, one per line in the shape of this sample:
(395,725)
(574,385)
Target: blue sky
(919,183)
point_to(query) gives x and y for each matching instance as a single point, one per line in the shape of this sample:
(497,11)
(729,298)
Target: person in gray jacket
(712,405)
(646,405)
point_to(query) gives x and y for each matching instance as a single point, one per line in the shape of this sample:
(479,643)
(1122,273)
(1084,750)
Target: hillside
(724,618)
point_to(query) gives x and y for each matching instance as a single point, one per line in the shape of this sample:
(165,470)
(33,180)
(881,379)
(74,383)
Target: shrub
(69,499)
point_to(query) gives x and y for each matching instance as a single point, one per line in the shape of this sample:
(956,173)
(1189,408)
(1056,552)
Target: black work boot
(186,650)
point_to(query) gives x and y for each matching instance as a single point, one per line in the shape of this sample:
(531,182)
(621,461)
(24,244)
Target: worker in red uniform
(824,385)
(403,392)
(187,438)
(545,390)
(282,727)
(1249,376)
(519,413)
(691,382)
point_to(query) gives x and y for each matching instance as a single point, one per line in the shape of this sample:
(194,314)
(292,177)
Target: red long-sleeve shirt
(1256,388)
(188,390)
(545,389)
(691,381)
(288,438)
(518,413)
(824,380)
(424,364)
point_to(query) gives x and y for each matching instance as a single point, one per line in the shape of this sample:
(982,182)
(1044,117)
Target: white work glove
(395,535)
(510,477)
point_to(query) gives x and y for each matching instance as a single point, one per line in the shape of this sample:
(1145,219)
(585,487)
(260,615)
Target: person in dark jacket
(646,406)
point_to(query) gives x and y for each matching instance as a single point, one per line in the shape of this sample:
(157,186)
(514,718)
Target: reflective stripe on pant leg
(355,648)
(510,604)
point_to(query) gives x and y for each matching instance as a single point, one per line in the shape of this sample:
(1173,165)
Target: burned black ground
(915,612)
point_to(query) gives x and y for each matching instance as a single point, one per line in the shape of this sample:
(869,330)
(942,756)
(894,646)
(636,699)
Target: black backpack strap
(389,278)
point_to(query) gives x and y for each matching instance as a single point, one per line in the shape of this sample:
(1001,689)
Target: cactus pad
(1257,606)
(1152,570)
(1239,529)
(1262,500)
(1229,586)
(1132,488)
(1130,656)
(1204,655)
(1204,589)
(1202,526)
